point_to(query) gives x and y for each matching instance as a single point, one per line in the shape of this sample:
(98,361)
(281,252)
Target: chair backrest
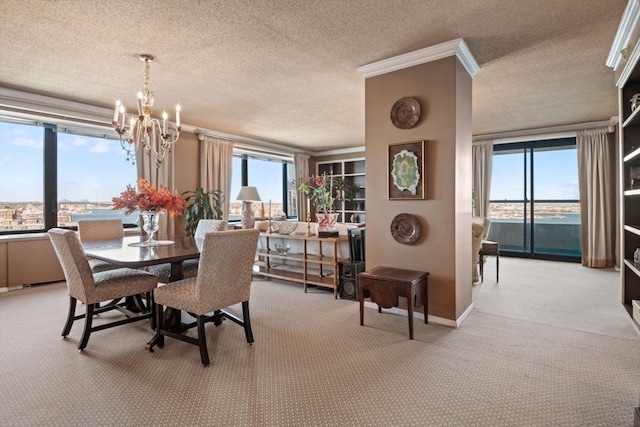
(74,263)
(226,267)
(477,231)
(356,244)
(209,225)
(100,229)
(484,222)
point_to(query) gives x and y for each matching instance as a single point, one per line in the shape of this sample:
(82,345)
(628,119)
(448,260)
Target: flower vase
(150,225)
(327,221)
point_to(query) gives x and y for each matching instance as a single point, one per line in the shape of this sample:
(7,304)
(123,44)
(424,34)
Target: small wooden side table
(386,284)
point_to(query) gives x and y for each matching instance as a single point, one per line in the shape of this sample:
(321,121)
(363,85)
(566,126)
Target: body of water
(107,214)
(568,218)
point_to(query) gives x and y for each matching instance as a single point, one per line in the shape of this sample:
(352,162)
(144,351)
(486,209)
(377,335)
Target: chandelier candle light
(143,130)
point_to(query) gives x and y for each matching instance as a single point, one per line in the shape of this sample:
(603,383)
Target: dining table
(134,252)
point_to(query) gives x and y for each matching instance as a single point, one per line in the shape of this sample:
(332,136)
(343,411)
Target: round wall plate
(405,113)
(405,228)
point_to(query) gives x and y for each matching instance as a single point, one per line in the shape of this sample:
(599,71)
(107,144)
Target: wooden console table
(386,284)
(323,271)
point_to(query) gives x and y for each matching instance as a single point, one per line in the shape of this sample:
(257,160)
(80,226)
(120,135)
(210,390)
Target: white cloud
(22,140)
(101,146)
(79,141)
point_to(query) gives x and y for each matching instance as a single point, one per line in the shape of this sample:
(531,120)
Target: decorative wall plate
(405,113)
(405,228)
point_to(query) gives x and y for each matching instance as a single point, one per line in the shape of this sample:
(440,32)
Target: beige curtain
(482,166)
(157,175)
(216,157)
(597,183)
(301,162)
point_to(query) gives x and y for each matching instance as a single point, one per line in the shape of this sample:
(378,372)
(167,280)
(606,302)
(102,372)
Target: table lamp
(248,195)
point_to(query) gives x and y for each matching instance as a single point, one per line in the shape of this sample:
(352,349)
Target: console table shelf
(309,267)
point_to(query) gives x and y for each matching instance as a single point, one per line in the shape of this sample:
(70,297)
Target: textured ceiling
(285,71)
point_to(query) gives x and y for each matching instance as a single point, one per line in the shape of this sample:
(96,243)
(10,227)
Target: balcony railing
(556,228)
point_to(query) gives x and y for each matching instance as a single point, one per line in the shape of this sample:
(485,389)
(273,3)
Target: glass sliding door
(509,207)
(534,201)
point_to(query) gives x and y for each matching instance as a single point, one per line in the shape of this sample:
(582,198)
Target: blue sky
(555,171)
(93,169)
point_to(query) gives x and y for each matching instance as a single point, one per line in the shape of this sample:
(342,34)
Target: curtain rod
(562,130)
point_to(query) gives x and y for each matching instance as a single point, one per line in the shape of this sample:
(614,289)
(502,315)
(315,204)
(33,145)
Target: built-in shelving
(352,170)
(629,144)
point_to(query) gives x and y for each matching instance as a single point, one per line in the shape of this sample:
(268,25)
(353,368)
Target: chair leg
(152,307)
(70,316)
(202,341)
(159,325)
(247,322)
(88,319)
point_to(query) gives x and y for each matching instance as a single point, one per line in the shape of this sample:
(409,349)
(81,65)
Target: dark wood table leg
(410,310)
(425,290)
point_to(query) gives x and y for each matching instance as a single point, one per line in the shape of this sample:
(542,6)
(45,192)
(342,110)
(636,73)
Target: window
(75,175)
(274,179)
(534,201)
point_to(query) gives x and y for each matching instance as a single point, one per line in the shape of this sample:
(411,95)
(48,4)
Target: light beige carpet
(550,345)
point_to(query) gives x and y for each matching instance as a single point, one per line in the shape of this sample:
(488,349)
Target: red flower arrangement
(149,198)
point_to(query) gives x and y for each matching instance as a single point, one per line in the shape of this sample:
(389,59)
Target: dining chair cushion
(189,266)
(83,285)
(93,288)
(102,229)
(223,279)
(99,230)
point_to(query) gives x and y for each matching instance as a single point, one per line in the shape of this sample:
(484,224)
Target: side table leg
(497,266)
(425,291)
(410,310)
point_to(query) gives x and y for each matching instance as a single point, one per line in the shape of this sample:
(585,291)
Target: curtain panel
(301,164)
(598,206)
(216,158)
(482,167)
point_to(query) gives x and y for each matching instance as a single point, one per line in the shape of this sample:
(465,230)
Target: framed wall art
(406,171)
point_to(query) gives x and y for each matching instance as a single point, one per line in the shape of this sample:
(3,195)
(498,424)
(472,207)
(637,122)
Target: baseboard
(13,288)
(419,315)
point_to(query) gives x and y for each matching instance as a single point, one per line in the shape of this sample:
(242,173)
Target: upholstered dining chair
(190,266)
(99,230)
(223,280)
(93,288)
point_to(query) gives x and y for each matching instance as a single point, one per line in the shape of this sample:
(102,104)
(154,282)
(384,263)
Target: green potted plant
(201,205)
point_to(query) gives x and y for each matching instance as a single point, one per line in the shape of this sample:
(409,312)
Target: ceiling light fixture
(143,130)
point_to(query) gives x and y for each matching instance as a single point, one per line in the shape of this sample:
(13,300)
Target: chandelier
(143,130)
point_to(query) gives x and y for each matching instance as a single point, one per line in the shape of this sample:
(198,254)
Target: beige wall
(443,89)
(186,168)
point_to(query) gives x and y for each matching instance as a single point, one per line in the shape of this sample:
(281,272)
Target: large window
(534,202)
(51,179)
(274,179)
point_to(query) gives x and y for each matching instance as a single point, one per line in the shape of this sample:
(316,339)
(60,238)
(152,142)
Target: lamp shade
(248,194)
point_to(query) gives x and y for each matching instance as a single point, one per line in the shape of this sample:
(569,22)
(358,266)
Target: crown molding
(629,66)
(628,24)
(455,47)
(340,151)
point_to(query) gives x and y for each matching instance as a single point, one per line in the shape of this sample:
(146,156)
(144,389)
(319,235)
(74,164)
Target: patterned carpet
(550,345)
